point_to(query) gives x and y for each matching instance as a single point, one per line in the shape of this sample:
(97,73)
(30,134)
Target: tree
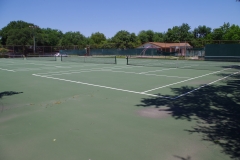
(201,32)
(185,33)
(50,37)
(173,35)
(19,37)
(97,37)
(233,33)
(96,40)
(146,36)
(74,38)
(143,37)
(218,33)
(13,25)
(179,33)
(124,39)
(158,37)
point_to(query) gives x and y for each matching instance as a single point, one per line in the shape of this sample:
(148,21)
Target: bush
(3,50)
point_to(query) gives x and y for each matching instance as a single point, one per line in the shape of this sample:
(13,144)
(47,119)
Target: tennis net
(182,64)
(41,57)
(90,59)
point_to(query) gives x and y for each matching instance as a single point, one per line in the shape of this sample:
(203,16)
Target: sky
(110,16)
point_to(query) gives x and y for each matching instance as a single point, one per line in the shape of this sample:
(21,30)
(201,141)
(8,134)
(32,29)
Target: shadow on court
(182,158)
(7,93)
(216,109)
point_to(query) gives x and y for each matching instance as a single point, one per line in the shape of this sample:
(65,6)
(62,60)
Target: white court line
(108,70)
(27,69)
(157,70)
(76,72)
(89,84)
(185,80)
(34,69)
(165,76)
(62,67)
(205,85)
(7,70)
(167,69)
(142,93)
(80,70)
(151,74)
(16,64)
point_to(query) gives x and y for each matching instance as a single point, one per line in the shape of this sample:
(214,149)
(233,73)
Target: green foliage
(98,38)
(172,35)
(179,34)
(17,26)
(74,38)
(201,32)
(233,33)
(19,33)
(19,37)
(50,37)
(158,37)
(124,39)
(3,50)
(146,36)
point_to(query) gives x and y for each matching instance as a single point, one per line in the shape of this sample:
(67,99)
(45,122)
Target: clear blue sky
(111,16)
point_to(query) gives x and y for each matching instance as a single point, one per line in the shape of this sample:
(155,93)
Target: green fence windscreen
(222,50)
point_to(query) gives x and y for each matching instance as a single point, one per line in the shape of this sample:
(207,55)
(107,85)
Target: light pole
(33,27)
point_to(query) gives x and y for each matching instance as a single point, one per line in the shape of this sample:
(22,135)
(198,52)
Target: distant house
(179,48)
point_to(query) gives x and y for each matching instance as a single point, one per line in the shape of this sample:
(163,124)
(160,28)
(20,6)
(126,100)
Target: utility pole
(33,28)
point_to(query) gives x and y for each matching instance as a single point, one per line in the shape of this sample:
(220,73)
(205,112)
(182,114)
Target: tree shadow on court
(183,158)
(6,93)
(216,109)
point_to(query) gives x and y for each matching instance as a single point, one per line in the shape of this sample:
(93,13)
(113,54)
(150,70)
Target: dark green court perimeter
(61,110)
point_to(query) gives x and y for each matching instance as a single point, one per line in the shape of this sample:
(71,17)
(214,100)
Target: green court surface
(57,110)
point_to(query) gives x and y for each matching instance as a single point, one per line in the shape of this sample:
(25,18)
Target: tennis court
(69,110)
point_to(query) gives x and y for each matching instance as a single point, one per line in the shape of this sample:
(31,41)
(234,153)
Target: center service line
(185,80)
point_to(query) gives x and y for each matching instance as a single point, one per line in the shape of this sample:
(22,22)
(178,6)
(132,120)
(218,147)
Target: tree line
(19,33)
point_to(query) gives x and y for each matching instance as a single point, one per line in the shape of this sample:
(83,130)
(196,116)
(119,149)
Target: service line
(84,69)
(109,70)
(205,85)
(185,80)
(95,85)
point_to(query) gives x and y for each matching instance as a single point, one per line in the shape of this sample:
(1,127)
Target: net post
(115,59)
(127,60)
(61,58)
